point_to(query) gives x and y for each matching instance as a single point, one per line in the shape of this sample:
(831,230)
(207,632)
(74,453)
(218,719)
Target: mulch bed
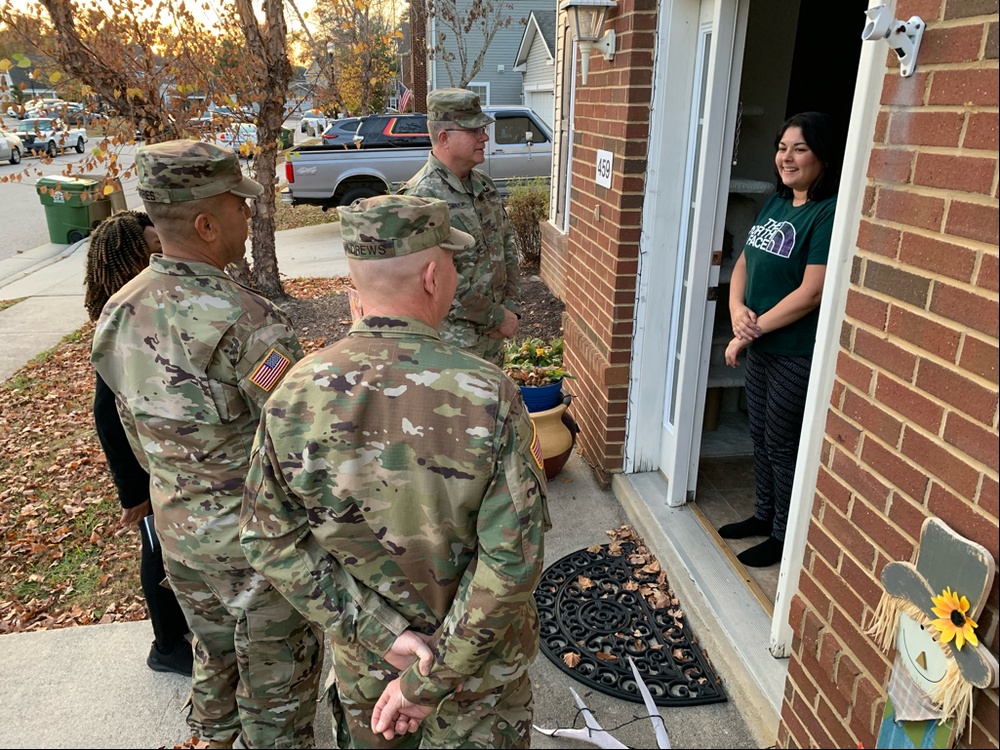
(321,311)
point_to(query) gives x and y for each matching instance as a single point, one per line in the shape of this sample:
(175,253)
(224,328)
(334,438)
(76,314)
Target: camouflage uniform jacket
(488,274)
(191,356)
(407,464)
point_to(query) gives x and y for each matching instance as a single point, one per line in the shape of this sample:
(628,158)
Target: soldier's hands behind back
(408,647)
(395,715)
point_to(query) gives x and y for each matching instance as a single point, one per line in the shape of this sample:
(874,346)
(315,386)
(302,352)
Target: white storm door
(706,185)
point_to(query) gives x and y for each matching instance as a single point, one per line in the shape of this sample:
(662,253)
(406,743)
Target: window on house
(483,89)
(509,130)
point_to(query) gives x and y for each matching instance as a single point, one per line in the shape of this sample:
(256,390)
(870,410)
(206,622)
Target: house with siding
(498,82)
(535,60)
(902,415)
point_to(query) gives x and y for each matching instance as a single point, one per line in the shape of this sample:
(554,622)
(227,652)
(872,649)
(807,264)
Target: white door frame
(847,222)
(680,442)
(659,241)
(661,217)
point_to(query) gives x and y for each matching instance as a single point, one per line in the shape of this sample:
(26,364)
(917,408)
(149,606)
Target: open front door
(718,55)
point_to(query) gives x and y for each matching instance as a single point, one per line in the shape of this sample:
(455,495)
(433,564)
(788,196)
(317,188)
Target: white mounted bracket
(606,46)
(903,36)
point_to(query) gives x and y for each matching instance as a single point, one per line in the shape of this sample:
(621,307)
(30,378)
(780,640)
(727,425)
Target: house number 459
(604,162)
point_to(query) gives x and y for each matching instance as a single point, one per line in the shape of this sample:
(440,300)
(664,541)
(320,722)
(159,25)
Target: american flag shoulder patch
(536,446)
(269,372)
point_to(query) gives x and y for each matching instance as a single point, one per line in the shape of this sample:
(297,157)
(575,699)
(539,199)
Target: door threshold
(755,590)
(732,624)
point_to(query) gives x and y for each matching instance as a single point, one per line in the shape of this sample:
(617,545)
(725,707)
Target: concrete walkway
(89,687)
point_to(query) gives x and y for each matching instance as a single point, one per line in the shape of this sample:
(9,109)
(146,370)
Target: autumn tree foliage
(157,65)
(463,32)
(355,51)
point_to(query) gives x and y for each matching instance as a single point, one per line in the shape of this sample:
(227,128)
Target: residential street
(22,216)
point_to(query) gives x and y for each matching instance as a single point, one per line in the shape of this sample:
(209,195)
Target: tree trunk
(267,46)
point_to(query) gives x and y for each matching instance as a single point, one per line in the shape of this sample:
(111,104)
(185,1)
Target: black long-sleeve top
(130,478)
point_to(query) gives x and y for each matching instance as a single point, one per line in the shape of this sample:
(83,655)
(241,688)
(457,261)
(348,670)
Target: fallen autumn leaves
(64,560)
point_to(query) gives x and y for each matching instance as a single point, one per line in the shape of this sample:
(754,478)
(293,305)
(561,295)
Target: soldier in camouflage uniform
(192,356)
(487,304)
(408,470)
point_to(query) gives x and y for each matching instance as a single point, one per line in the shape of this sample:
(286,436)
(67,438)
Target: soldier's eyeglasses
(474,131)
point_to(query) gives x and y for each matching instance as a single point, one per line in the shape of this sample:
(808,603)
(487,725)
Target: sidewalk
(89,687)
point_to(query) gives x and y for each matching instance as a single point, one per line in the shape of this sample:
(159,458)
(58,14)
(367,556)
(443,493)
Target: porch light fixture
(588,18)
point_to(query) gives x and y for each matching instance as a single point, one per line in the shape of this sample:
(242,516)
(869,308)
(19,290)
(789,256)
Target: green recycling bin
(76,205)
(287,138)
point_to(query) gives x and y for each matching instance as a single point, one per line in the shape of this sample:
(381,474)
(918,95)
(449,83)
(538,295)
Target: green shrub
(527,205)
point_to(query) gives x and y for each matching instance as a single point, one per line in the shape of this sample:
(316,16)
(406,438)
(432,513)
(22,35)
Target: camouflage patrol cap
(389,226)
(460,106)
(186,170)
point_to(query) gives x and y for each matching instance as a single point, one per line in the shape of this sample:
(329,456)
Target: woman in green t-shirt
(774,304)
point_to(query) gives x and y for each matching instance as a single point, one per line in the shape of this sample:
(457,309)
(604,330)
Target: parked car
(341,132)
(21,112)
(238,135)
(10,147)
(377,131)
(520,145)
(313,121)
(71,113)
(50,135)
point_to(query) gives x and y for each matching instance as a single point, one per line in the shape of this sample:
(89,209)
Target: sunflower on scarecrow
(928,611)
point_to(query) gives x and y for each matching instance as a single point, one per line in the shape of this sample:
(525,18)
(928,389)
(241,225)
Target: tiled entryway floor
(726,494)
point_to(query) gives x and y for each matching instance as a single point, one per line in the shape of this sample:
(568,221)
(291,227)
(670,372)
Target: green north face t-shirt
(782,242)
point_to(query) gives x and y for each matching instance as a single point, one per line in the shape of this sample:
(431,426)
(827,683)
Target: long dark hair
(823,138)
(117,253)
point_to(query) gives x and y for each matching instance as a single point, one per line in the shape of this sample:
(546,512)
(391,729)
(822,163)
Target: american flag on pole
(404,99)
(269,372)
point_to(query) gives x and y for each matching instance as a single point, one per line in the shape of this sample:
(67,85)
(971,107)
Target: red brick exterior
(912,427)
(600,261)
(416,65)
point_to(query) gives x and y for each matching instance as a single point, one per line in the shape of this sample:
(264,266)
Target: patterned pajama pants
(257,662)
(776,397)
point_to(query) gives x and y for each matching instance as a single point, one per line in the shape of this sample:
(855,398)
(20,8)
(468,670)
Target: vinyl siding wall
(505,87)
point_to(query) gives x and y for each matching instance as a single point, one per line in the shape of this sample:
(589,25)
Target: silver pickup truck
(520,145)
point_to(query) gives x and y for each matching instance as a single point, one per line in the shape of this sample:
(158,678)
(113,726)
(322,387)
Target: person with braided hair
(119,249)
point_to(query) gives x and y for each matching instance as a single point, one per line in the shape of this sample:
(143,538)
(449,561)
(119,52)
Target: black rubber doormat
(601,605)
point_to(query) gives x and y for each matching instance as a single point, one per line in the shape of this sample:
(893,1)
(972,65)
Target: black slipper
(766,553)
(753,526)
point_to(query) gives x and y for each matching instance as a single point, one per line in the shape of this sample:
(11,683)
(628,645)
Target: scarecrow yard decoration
(929,611)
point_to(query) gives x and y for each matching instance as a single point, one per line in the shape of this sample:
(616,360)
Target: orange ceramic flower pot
(555,437)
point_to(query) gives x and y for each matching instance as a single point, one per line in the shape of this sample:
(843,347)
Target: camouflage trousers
(257,662)
(498,718)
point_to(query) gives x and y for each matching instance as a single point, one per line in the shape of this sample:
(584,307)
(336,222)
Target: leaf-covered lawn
(64,560)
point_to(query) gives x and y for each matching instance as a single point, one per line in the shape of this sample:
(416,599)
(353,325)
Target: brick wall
(418,55)
(599,265)
(913,426)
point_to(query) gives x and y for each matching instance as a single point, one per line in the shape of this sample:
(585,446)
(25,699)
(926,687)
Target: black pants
(776,389)
(169,625)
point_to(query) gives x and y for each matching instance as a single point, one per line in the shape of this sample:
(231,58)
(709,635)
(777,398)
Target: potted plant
(536,366)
